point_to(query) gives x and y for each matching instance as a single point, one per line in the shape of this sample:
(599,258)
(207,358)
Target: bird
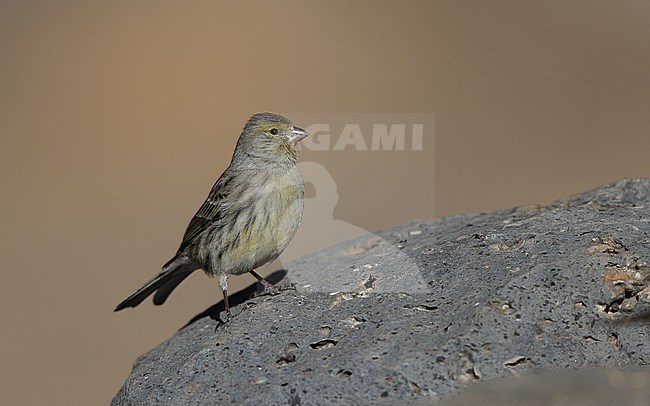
(249,216)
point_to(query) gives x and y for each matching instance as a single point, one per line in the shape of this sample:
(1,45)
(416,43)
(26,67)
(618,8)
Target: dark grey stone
(416,313)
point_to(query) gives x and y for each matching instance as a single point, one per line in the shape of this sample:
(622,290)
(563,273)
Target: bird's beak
(296,135)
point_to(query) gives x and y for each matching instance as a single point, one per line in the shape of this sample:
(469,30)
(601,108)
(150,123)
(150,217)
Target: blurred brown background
(117,117)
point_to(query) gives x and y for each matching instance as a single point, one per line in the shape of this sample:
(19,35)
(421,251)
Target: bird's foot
(273,290)
(287,286)
(269,289)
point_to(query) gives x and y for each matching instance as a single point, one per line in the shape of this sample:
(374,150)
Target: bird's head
(271,137)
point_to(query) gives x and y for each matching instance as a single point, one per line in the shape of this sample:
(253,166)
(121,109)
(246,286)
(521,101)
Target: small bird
(249,217)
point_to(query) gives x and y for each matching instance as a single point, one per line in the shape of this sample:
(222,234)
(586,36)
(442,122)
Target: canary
(249,217)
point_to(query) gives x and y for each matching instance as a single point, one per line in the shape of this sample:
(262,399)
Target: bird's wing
(211,211)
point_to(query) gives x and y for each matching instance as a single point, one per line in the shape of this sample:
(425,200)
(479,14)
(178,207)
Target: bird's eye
(274,131)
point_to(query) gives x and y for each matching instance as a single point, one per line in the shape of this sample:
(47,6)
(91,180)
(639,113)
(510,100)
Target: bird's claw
(269,289)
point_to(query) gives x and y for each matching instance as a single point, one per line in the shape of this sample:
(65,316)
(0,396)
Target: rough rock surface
(418,312)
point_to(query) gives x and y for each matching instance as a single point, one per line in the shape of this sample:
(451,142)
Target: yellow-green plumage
(250,215)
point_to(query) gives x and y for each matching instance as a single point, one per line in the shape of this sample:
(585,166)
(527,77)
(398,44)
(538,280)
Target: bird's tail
(172,273)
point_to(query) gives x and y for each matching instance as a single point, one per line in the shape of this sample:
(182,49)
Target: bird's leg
(223,284)
(268,288)
(225,301)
